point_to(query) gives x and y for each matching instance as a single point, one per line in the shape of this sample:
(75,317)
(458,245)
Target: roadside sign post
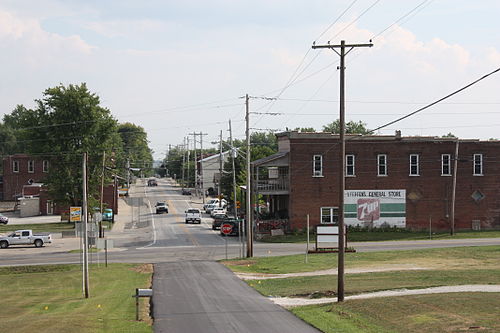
(226,229)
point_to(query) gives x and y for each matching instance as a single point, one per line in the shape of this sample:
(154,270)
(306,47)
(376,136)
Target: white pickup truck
(24,237)
(193,215)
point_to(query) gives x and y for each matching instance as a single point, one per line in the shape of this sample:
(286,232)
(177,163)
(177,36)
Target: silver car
(4,219)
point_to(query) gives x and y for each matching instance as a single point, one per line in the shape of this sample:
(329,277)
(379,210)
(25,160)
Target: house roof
(270,158)
(214,156)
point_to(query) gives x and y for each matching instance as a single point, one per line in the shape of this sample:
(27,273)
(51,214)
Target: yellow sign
(75,214)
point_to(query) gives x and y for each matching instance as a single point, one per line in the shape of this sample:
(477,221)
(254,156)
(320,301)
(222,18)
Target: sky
(178,67)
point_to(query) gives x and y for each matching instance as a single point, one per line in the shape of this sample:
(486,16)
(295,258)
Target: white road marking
(152,221)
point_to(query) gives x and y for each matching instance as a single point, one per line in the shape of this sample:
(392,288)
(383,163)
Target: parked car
(186,191)
(235,227)
(212,204)
(161,207)
(217,220)
(24,237)
(4,219)
(152,182)
(107,215)
(193,215)
(218,210)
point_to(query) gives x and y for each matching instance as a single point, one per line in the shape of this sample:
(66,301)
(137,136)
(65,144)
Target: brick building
(390,181)
(23,176)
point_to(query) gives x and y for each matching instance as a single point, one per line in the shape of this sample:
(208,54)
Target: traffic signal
(238,204)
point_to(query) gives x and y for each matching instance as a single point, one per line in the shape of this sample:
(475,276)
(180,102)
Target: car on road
(218,210)
(186,191)
(4,219)
(107,215)
(161,207)
(212,204)
(152,182)
(217,220)
(193,215)
(235,224)
(25,237)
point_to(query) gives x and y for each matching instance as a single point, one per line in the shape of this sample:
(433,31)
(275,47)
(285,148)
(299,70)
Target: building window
(318,166)
(349,165)
(445,165)
(15,166)
(382,164)
(478,164)
(329,215)
(414,168)
(31,166)
(45,165)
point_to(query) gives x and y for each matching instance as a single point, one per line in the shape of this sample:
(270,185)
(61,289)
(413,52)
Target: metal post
(102,191)
(106,253)
(307,246)
(202,184)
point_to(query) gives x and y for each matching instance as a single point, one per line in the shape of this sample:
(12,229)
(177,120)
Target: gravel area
(296,301)
(332,271)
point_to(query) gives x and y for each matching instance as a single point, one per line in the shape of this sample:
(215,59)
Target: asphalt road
(204,296)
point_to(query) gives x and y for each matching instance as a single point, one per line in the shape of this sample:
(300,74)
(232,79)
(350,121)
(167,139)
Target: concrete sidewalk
(206,297)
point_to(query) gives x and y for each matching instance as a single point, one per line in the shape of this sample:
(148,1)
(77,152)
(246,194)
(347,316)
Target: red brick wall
(14,181)
(432,190)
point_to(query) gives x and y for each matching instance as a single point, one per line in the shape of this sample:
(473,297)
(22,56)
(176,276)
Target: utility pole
(85,235)
(128,174)
(235,198)
(248,213)
(102,191)
(195,165)
(342,54)
(454,189)
(202,184)
(183,160)
(187,171)
(220,170)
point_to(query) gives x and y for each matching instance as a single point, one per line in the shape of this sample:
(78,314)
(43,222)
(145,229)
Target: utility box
(29,206)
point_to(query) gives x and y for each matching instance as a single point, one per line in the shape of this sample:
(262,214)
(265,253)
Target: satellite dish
(30,181)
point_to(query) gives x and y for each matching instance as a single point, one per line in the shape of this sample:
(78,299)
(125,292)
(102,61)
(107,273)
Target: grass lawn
(326,285)
(49,298)
(476,257)
(454,312)
(366,236)
(41,227)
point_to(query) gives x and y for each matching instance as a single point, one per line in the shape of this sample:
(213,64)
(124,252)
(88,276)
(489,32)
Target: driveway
(206,297)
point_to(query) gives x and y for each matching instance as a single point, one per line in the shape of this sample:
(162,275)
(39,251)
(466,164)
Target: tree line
(66,122)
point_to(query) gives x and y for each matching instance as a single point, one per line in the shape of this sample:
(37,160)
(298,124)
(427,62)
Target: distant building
(23,179)
(210,171)
(390,181)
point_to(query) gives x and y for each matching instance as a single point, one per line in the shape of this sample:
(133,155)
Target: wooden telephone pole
(342,54)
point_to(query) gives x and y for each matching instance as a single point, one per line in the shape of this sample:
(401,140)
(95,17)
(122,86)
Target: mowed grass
(453,312)
(326,285)
(389,235)
(49,298)
(478,257)
(38,227)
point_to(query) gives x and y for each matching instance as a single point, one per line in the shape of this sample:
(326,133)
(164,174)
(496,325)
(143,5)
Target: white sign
(375,208)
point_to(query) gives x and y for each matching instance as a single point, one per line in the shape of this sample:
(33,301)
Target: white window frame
(352,165)
(416,164)
(480,164)
(445,164)
(384,165)
(45,166)
(331,211)
(317,173)
(31,166)
(15,166)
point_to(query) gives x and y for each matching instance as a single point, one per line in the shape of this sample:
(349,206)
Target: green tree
(305,129)
(67,122)
(351,127)
(449,135)
(135,147)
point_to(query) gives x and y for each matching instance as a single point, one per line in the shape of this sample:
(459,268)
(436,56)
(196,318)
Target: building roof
(270,158)
(214,156)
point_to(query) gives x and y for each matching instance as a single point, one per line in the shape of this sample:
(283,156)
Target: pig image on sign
(368,209)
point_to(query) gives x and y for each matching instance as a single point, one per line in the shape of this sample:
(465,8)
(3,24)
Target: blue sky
(151,61)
